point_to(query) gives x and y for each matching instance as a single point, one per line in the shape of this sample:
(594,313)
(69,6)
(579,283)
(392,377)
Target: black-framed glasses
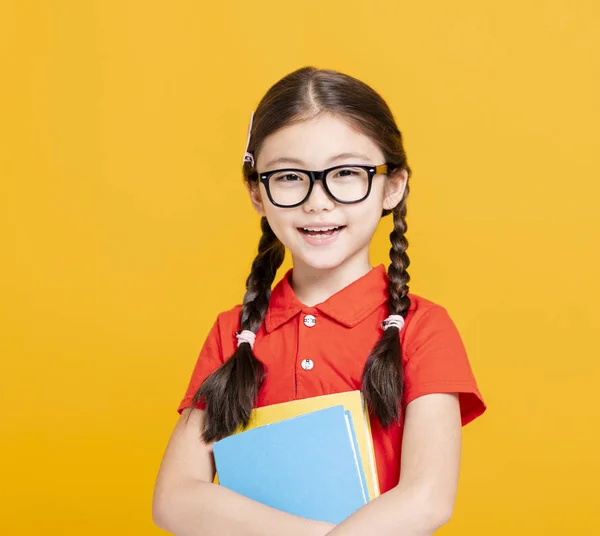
(347,184)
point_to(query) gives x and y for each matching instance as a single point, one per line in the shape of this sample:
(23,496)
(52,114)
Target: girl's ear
(256,197)
(395,185)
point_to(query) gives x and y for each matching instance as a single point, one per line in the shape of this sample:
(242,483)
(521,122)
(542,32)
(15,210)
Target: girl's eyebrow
(284,160)
(295,161)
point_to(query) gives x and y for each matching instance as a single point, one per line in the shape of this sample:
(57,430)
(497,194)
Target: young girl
(324,162)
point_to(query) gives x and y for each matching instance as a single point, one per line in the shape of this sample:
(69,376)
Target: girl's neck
(313,286)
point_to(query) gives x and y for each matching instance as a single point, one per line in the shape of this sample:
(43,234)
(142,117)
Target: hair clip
(393,321)
(248,156)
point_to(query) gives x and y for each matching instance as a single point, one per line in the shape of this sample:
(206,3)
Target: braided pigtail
(383,377)
(230,391)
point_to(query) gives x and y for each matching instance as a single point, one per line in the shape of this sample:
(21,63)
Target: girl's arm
(423,500)
(187,503)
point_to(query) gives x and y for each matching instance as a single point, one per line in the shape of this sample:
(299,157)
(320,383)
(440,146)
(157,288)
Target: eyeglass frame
(321,176)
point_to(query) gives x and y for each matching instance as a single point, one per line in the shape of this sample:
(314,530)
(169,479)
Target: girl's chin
(319,261)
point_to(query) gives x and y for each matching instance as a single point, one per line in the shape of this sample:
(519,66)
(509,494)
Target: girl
(324,162)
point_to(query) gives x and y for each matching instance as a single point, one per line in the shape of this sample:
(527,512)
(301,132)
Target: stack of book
(312,457)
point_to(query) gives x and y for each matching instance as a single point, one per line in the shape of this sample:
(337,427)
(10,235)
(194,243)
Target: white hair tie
(395,321)
(245,336)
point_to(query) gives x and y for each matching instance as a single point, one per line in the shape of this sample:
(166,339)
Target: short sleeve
(436,362)
(209,360)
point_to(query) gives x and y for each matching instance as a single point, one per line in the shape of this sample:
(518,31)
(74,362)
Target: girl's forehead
(316,143)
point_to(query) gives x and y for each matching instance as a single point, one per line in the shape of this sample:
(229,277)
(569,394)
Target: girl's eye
(288,177)
(347,172)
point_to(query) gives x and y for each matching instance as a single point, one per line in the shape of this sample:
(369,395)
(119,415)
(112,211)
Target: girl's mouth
(320,231)
(318,234)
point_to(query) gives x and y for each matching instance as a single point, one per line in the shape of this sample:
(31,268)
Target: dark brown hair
(230,392)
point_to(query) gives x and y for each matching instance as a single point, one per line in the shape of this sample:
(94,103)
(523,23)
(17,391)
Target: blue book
(307,465)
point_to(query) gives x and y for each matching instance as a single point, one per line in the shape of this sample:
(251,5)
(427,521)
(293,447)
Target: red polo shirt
(312,351)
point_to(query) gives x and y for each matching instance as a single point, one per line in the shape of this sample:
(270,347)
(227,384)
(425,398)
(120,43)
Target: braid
(258,285)
(383,377)
(230,391)
(399,302)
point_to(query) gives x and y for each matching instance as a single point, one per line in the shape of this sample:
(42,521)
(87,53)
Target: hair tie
(245,336)
(248,156)
(395,321)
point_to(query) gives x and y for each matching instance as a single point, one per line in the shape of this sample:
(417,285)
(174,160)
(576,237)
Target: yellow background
(125,229)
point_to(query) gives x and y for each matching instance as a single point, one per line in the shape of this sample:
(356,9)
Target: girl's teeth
(320,231)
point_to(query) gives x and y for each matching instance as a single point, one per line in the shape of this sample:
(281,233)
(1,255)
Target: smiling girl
(324,163)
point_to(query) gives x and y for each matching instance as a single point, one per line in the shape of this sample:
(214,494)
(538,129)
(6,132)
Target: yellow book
(352,401)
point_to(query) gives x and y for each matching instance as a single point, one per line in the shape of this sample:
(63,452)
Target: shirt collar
(349,306)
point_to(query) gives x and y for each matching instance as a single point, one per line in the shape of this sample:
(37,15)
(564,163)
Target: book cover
(304,465)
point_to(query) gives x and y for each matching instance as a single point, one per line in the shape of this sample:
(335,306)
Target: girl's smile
(321,235)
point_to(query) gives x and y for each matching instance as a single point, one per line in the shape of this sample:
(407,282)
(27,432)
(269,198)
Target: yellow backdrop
(125,229)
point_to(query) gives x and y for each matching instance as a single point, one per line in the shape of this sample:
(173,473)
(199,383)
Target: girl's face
(316,144)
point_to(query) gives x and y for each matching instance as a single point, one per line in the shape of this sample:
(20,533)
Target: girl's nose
(318,199)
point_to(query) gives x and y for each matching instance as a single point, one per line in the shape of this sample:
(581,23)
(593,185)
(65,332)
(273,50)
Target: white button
(309,321)
(307,364)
